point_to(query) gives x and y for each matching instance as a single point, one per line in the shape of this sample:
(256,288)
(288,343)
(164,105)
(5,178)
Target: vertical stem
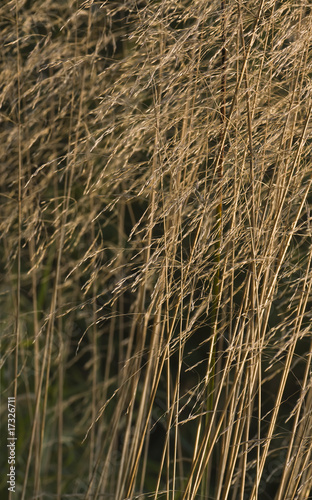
(211,372)
(18,287)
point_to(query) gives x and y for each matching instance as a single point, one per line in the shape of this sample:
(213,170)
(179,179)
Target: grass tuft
(156,248)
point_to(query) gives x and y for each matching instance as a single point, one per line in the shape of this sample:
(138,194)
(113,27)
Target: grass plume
(156,248)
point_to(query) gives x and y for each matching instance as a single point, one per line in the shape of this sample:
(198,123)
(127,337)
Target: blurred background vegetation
(156,248)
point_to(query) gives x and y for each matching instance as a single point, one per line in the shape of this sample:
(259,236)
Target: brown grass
(156,248)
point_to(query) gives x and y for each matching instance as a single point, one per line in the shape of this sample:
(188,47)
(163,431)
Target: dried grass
(156,248)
